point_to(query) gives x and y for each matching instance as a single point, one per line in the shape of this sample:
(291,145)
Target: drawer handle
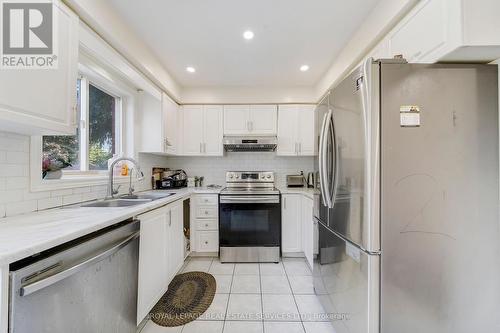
(206,224)
(206,212)
(206,242)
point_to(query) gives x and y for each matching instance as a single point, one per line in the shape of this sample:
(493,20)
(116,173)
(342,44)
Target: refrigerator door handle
(333,188)
(322,161)
(325,181)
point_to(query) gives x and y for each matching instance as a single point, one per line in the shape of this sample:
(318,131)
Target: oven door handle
(250,199)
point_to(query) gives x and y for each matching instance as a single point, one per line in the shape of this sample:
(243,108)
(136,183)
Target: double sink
(128,200)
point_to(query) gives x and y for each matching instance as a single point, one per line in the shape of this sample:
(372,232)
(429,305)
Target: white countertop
(24,235)
(308,192)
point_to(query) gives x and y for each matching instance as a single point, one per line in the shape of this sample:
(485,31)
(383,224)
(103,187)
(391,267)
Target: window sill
(75,181)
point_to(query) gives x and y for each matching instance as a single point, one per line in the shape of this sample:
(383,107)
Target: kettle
(310,179)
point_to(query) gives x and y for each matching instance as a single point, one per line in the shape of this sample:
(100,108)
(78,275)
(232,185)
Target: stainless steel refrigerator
(408,199)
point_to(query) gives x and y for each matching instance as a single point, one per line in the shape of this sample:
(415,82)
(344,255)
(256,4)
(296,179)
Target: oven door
(249,220)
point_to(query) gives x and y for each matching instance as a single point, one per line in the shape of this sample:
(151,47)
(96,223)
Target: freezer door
(440,227)
(346,281)
(355,123)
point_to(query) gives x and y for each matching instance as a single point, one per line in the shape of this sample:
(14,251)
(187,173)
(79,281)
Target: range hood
(250,144)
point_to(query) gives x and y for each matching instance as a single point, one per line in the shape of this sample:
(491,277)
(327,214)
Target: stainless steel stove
(250,218)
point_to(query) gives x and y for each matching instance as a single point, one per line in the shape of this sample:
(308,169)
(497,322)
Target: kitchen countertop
(308,192)
(24,235)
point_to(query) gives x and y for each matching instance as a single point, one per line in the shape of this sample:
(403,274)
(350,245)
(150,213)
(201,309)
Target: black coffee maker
(172,179)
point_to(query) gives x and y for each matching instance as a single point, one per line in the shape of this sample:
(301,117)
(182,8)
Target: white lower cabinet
(161,254)
(205,223)
(291,238)
(207,241)
(307,230)
(297,226)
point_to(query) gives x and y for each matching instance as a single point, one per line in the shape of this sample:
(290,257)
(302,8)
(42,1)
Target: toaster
(295,180)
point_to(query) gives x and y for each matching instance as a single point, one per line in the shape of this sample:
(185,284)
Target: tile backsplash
(214,168)
(16,197)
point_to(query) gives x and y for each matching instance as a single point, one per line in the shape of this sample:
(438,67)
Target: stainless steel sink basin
(117,203)
(128,200)
(150,196)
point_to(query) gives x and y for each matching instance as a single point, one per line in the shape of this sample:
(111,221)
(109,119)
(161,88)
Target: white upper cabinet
(305,138)
(236,119)
(263,119)
(202,130)
(287,130)
(212,143)
(43,101)
(296,130)
(448,30)
(170,112)
(380,51)
(422,33)
(192,129)
(250,119)
(159,124)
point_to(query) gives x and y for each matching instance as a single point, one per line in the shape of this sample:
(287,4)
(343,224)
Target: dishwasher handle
(78,267)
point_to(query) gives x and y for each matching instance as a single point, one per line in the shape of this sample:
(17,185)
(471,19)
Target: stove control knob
(231,176)
(237,176)
(262,177)
(268,176)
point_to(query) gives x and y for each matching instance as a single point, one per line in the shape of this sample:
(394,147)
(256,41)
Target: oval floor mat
(188,296)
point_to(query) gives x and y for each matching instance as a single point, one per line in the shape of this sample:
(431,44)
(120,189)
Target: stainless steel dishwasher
(87,285)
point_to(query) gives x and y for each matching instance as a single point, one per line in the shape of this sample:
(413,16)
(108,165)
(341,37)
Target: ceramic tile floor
(256,298)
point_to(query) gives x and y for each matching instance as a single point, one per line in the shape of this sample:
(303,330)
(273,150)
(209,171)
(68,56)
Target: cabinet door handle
(251,126)
(201,147)
(206,242)
(169,218)
(300,147)
(206,225)
(284,203)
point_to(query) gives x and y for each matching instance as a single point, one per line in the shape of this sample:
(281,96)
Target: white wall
(248,95)
(214,168)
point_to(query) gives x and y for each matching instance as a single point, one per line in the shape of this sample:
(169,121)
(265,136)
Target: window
(97,138)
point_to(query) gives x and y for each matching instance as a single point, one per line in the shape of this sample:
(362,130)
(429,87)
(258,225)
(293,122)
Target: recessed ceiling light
(190,69)
(304,68)
(248,35)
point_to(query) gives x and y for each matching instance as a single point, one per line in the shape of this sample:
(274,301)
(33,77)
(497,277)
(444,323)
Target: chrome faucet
(111,189)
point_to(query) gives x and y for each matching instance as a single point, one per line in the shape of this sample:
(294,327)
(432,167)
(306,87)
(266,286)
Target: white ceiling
(207,34)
